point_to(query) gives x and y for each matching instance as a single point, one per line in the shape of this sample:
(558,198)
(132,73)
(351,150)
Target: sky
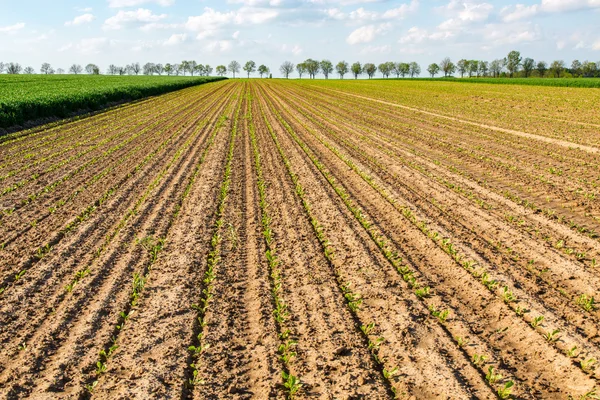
(272,31)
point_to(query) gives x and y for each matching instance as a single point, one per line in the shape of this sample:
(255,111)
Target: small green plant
(100,367)
(391,373)
(441,315)
(586,302)
(508,295)
(367,329)
(460,341)
(291,383)
(552,336)
(91,386)
(588,364)
(505,391)
(573,352)
(492,377)
(422,292)
(479,359)
(537,321)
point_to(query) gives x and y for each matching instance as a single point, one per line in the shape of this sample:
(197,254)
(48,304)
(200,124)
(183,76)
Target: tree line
(513,65)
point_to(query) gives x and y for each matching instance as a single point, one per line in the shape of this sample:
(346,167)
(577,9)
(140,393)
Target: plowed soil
(271,239)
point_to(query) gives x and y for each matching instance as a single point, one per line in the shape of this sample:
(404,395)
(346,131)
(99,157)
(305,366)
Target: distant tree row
(513,65)
(342,68)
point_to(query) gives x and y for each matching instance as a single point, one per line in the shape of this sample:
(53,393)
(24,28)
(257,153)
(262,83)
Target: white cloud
(521,11)
(125,19)
(383,49)
(12,28)
(210,22)
(596,45)
(88,46)
(236,34)
(500,34)
(219,46)
(366,34)
(135,3)
(80,20)
(176,39)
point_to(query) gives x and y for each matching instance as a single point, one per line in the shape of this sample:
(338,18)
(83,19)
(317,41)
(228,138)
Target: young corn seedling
(441,315)
(291,383)
(537,321)
(479,359)
(573,352)
(422,292)
(367,329)
(588,364)
(586,302)
(91,386)
(391,373)
(460,341)
(552,336)
(508,295)
(492,377)
(505,391)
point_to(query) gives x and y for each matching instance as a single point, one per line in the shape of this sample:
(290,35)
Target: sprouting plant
(374,345)
(505,391)
(586,302)
(592,394)
(507,295)
(422,292)
(391,373)
(100,367)
(573,352)
(488,282)
(291,383)
(91,386)
(552,336)
(367,329)
(479,359)
(195,379)
(22,346)
(460,341)
(588,364)
(20,275)
(537,321)
(520,311)
(492,377)
(441,315)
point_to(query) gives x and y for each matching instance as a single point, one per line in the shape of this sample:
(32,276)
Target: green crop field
(558,82)
(31,97)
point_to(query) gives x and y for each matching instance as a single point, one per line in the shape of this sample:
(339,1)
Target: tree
(312,67)
(356,69)
(472,67)
(60,71)
(589,69)
(286,69)
(326,67)
(448,67)
(576,68)
(75,69)
(341,68)
(1,67)
(200,69)
(112,69)
(301,68)
(250,67)
(557,67)
(208,70)
(159,68)
(542,67)
(192,66)
(462,66)
(385,70)
(496,68)
(177,68)
(528,66)
(370,69)
(148,69)
(482,68)
(45,69)
(221,70)
(135,68)
(414,69)
(404,69)
(433,69)
(168,69)
(234,67)
(29,70)
(13,68)
(263,70)
(513,61)
(92,69)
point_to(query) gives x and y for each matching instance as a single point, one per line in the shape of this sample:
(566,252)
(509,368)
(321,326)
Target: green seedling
(291,383)
(586,302)
(91,386)
(505,391)
(492,377)
(391,373)
(508,295)
(422,292)
(552,336)
(537,321)
(588,365)
(479,359)
(573,352)
(367,329)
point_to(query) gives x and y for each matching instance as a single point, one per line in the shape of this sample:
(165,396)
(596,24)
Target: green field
(26,98)
(557,82)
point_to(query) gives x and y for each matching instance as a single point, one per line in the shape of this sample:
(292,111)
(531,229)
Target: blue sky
(272,31)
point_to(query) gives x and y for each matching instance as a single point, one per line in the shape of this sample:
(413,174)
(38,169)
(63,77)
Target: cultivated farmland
(306,239)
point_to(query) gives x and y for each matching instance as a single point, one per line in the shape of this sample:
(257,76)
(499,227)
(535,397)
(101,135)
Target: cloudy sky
(272,31)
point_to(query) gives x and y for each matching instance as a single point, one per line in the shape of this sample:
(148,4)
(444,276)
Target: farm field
(306,239)
(32,97)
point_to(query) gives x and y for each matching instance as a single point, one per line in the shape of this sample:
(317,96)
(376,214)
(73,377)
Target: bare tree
(342,68)
(29,70)
(148,69)
(221,70)
(159,68)
(13,68)
(250,67)
(326,68)
(528,66)
(112,69)
(448,67)
(1,67)
(414,69)
(356,69)
(60,71)
(208,70)
(286,69)
(45,69)
(234,67)
(135,68)
(192,66)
